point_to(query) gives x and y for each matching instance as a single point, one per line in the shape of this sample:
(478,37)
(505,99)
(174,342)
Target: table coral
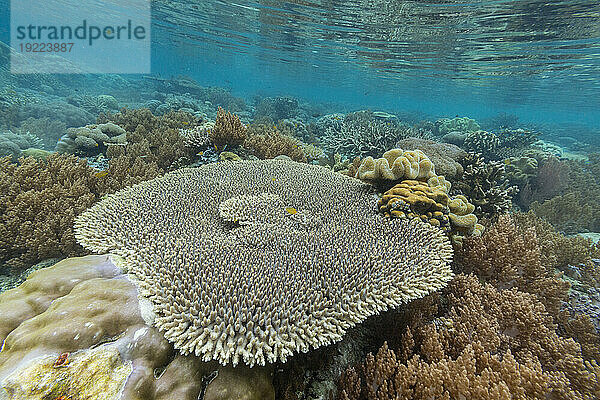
(87,307)
(242,241)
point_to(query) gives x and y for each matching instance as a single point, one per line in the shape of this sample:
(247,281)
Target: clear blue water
(534,59)
(538,60)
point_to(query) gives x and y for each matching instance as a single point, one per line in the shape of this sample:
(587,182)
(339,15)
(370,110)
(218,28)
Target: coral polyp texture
(254,261)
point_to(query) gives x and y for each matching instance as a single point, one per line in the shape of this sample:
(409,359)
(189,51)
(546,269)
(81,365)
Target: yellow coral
(395,165)
(414,199)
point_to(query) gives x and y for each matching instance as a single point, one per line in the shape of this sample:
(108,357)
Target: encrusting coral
(91,139)
(79,330)
(487,344)
(229,281)
(429,201)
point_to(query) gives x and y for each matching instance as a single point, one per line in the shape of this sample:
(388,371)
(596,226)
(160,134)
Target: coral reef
(198,136)
(507,143)
(276,108)
(395,165)
(47,129)
(362,134)
(488,344)
(102,344)
(152,141)
(520,170)
(458,124)
(228,130)
(91,139)
(414,199)
(254,235)
(267,142)
(38,203)
(444,156)
(94,104)
(486,186)
(67,113)
(13,144)
(570,212)
(509,256)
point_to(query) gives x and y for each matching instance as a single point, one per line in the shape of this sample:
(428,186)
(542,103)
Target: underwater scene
(299,200)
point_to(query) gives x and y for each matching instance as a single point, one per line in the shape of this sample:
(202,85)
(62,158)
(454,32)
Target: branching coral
(38,203)
(154,139)
(509,256)
(228,130)
(489,344)
(508,143)
(267,142)
(361,134)
(486,186)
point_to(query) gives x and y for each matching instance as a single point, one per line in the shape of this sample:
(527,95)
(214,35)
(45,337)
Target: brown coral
(509,256)
(38,203)
(267,142)
(414,199)
(444,156)
(228,130)
(490,344)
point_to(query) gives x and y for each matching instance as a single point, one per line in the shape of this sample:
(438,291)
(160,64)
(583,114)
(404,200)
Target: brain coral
(254,261)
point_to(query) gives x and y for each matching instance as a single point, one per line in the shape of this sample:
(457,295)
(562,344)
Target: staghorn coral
(229,282)
(509,256)
(102,329)
(395,165)
(486,186)
(489,344)
(444,156)
(228,130)
(267,142)
(38,203)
